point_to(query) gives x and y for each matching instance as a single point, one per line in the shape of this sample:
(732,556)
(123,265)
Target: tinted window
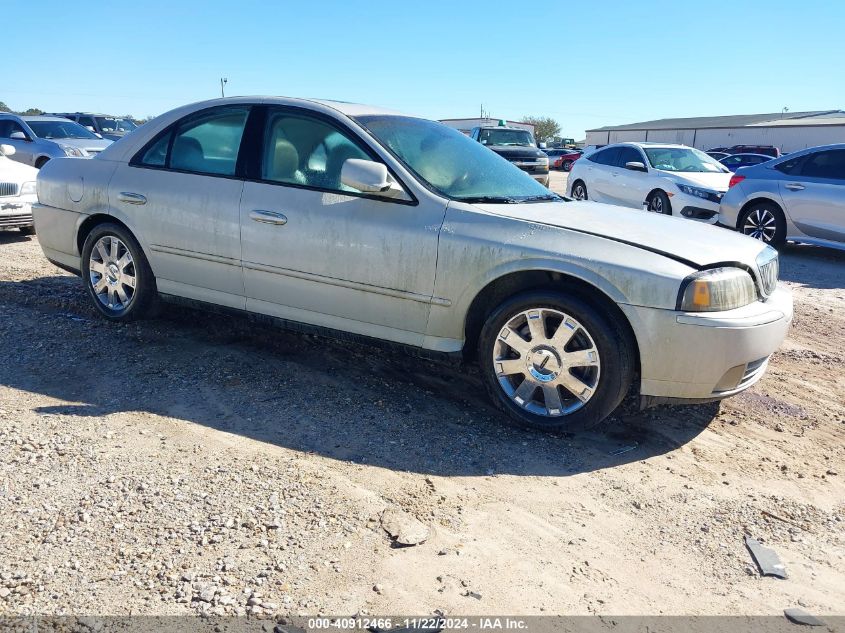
(8,126)
(829,164)
(86,121)
(207,143)
(304,151)
(605,156)
(792,166)
(628,155)
(156,155)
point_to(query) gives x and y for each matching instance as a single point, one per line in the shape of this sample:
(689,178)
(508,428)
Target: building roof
(737,120)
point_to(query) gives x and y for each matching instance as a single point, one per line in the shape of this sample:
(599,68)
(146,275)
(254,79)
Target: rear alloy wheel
(116,273)
(554,362)
(764,222)
(659,203)
(567,165)
(579,190)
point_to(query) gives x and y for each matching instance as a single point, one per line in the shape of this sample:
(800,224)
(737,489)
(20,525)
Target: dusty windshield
(682,159)
(453,164)
(498,136)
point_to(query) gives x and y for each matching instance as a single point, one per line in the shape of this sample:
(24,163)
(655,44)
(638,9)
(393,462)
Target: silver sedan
(37,139)
(799,197)
(351,219)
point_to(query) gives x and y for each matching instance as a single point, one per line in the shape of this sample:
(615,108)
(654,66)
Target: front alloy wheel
(546,362)
(579,191)
(553,360)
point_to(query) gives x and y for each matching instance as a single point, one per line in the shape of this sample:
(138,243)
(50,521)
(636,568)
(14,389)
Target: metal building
(789,131)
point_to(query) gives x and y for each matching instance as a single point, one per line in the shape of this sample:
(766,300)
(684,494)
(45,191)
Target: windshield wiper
(547,196)
(492,199)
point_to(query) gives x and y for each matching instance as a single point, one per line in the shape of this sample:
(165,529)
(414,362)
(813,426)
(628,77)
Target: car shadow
(340,400)
(12,236)
(812,266)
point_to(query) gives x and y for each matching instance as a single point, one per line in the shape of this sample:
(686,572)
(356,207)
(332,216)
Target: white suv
(668,179)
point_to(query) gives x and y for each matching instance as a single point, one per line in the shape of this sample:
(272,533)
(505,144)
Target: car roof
(649,144)
(43,117)
(750,154)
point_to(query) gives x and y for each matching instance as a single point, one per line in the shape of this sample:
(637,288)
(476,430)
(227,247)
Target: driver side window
(300,150)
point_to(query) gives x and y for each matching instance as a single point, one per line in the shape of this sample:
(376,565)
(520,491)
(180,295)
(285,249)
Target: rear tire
(567,165)
(579,190)
(27,230)
(658,202)
(764,221)
(554,379)
(117,275)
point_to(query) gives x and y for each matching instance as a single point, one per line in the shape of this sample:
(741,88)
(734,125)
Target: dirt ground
(201,463)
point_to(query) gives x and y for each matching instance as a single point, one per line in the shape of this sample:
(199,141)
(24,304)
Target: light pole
(223,82)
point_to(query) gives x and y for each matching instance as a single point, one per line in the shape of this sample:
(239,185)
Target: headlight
(717,289)
(698,193)
(543,160)
(73,152)
(28,188)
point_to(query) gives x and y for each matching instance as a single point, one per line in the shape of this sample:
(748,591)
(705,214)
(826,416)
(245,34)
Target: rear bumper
(707,356)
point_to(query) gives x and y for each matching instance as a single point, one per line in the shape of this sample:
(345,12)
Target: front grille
(768,275)
(8,189)
(22,219)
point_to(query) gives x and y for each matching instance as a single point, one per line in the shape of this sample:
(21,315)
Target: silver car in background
(37,139)
(110,127)
(799,197)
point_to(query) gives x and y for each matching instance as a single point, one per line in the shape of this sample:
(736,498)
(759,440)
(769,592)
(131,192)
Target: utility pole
(223,82)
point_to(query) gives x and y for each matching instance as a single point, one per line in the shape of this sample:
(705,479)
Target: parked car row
(37,139)
(798,197)
(427,239)
(17,192)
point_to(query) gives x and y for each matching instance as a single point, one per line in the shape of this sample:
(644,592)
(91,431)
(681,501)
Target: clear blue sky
(586,64)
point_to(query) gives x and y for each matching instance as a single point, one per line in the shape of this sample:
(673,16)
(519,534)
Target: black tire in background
(658,202)
(27,230)
(575,189)
(144,296)
(567,165)
(764,221)
(612,338)
(41,162)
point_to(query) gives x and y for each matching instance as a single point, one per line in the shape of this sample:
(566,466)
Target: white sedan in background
(668,179)
(17,193)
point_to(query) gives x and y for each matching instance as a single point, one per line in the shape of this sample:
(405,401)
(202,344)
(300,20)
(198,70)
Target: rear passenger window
(605,156)
(156,155)
(209,143)
(829,164)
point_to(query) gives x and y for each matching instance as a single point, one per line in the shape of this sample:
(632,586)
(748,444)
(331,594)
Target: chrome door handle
(268,217)
(132,198)
(794,186)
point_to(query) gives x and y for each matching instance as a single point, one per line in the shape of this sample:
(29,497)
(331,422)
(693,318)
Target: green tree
(32,112)
(4,107)
(544,127)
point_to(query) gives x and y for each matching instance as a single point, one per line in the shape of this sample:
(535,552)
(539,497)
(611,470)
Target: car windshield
(498,136)
(682,159)
(111,124)
(59,129)
(453,164)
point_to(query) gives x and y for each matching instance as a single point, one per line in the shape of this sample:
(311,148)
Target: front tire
(41,162)
(116,274)
(764,221)
(659,203)
(27,230)
(554,362)
(579,190)
(567,165)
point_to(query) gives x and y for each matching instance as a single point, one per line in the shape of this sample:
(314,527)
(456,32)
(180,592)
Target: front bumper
(15,212)
(695,208)
(707,356)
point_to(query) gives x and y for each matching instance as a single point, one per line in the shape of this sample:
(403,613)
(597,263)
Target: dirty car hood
(699,245)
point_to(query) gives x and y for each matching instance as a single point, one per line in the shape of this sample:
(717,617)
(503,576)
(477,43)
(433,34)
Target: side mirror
(370,177)
(18,136)
(7,150)
(635,166)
